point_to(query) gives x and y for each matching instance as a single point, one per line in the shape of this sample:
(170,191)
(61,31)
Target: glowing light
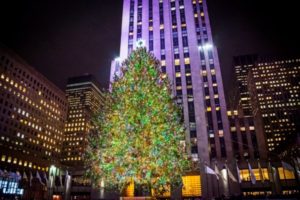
(118,59)
(205,47)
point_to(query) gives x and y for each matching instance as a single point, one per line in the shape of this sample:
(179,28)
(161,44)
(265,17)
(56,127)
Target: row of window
(20,162)
(29,81)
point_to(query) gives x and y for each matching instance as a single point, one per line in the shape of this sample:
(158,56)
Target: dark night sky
(68,38)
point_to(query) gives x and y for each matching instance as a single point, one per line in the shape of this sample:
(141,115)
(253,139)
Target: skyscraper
(268,91)
(274,89)
(84,99)
(242,65)
(179,34)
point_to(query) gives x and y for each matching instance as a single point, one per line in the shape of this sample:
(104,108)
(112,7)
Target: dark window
(177,68)
(193,134)
(194,150)
(188,80)
(185,41)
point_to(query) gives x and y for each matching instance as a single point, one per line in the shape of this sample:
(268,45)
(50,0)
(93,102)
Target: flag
(272,173)
(30,178)
(209,170)
(287,166)
(224,174)
(297,168)
(19,177)
(230,175)
(217,172)
(24,175)
(45,177)
(262,178)
(39,177)
(252,176)
(60,180)
(238,173)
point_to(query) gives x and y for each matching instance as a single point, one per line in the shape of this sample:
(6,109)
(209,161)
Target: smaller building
(84,102)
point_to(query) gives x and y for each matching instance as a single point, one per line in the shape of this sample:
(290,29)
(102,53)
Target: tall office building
(248,140)
(242,65)
(84,99)
(264,110)
(32,117)
(274,89)
(268,91)
(179,34)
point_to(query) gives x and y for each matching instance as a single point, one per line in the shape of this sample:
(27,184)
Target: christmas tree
(141,133)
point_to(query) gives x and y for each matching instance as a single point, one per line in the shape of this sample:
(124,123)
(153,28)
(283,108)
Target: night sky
(68,38)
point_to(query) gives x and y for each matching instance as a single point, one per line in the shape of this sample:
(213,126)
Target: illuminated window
(259,174)
(186,61)
(3,157)
(285,174)
(191,186)
(178,74)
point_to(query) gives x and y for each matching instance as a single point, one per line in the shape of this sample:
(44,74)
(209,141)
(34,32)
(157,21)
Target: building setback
(32,116)
(179,34)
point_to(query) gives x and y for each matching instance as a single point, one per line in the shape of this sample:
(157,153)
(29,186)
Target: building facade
(32,117)
(179,34)
(84,99)
(274,88)
(242,65)
(263,123)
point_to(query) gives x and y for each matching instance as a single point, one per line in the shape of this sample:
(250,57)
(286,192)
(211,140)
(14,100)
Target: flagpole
(284,174)
(239,177)
(206,178)
(297,168)
(261,175)
(296,173)
(218,187)
(228,182)
(217,179)
(272,176)
(249,171)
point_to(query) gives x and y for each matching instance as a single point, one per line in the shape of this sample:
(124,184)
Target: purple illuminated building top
(179,34)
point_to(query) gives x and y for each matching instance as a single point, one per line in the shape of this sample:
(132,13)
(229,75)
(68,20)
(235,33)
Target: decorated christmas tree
(141,132)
